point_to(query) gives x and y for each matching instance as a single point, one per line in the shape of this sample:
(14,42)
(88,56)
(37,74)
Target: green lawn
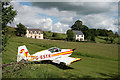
(99,60)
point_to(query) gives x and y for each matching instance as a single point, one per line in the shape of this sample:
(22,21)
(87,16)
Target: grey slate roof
(78,32)
(33,30)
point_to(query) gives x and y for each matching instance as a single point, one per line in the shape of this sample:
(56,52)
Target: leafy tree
(77,25)
(88,38)
(49,31)
(87,34)
(111,36)
(55,35)
(92,38)
(20,30)
(110,33)
(118,40)
(8,15)
(70,35)
(106,39)
(102,32)
(111,39)
(45,35)
(84,28)
(94,32)
(116,35)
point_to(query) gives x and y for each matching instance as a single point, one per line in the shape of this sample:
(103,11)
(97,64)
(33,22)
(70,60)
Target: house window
(31,36)
(39,36)
(82,36)
(77,35)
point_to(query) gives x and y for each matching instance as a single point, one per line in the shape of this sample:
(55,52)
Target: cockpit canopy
(54,49)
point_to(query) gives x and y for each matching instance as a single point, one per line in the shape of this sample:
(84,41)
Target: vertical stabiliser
(22,53)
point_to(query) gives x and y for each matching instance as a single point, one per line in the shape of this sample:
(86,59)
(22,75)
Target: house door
(35,37)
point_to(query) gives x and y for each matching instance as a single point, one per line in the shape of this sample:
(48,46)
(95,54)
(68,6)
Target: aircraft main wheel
(61,63)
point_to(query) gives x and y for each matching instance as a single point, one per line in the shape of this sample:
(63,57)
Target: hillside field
(99,60)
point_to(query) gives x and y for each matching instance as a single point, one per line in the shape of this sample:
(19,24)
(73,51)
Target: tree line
(90,34)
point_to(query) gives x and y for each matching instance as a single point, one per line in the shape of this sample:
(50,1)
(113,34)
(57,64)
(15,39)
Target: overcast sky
(60,16)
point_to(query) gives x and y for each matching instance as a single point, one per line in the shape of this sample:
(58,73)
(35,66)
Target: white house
(79,35)
(34,33)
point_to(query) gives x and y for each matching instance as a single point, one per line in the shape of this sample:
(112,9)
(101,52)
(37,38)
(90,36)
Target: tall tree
(116,35)
(77,25)
(111,36)
(55,35)
(8,15)
(45,35)
(102,32)
(110,33)
(70,35)
(20,30)
(92,38)
(106,39)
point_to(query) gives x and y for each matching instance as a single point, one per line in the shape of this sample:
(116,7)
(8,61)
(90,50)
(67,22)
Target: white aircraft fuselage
(55,54)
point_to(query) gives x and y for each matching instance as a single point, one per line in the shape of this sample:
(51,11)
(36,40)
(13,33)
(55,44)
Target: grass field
(60,35)
(98,60)
(101,39)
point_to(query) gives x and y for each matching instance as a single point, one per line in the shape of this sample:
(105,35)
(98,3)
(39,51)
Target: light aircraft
(54,54)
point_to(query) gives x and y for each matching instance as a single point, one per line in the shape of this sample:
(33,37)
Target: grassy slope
(101,39)
(99,60)
(60,35)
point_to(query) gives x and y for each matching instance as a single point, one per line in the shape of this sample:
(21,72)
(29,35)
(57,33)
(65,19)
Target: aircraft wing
(66,60)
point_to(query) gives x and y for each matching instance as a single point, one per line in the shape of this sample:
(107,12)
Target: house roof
(78,32)
(33,30)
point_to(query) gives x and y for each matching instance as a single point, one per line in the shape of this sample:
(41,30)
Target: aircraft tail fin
(22,53)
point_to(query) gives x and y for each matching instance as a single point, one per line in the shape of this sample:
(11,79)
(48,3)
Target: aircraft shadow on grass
(61,65)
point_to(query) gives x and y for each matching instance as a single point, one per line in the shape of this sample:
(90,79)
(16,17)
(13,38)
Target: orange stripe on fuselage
(32,57)
(63,53)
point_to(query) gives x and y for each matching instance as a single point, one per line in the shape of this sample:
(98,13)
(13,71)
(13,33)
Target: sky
(60,16)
